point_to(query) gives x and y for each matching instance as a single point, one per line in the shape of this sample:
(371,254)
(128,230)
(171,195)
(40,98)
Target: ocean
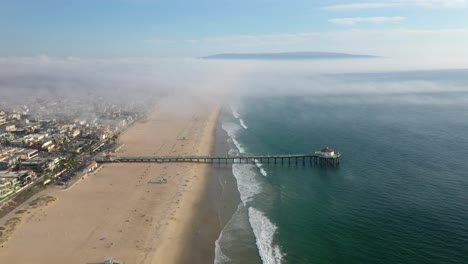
(400,194)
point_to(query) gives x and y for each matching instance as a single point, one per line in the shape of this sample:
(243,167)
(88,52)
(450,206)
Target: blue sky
(174,28)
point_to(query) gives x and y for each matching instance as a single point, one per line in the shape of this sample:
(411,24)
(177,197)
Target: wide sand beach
(119,211)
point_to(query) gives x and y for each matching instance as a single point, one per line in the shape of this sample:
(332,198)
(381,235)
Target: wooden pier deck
(293,159)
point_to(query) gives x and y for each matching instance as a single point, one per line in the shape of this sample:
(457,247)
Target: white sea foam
(264,231)
(232,129)
(232,234)
(234,112)
(247,185)
(232,152)
(242,123)
(260,166)
(220,256)
(238,145)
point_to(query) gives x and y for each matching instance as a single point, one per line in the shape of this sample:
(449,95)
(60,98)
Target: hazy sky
(174,28)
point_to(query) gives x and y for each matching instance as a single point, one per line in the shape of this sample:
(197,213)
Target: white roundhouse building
(327,152)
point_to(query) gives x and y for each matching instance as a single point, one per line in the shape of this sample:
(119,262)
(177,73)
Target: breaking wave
(234,112)
(260,166)
(232,129)
(264,231)
(242,123)
(238,145)
(247,185)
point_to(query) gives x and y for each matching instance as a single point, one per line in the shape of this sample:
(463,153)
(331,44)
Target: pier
(320,158)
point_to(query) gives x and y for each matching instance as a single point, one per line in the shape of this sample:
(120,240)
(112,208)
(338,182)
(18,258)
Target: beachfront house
(10,181)
(7,187)
(40,165)
(9,157)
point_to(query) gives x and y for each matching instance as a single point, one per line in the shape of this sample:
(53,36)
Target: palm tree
(115,137)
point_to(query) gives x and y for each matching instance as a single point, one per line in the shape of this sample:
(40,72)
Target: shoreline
(117,212)
(182,230)
(218,204)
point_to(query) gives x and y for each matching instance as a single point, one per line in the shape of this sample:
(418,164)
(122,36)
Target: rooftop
(328,150)
(13,174)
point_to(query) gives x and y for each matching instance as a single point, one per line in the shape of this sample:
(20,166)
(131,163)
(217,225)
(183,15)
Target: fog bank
(145,80)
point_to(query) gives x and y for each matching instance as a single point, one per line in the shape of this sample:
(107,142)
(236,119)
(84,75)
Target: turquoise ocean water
(400,194)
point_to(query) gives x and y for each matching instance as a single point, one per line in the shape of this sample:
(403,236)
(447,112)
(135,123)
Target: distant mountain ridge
(303,55)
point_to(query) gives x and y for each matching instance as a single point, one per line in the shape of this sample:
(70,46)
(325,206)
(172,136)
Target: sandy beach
(119,211)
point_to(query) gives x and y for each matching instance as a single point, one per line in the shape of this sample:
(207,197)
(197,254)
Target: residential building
(29,154)
(3,119)
(8,157)
(7,187)
(37,165)
(19,142)
(74,133)
(10,128)
(48,145)
(10,181)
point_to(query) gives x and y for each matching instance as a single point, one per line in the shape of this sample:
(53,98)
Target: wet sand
(218,204)
(120,211)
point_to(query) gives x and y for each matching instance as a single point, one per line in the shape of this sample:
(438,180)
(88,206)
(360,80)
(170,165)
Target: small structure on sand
(112,261)
(91,167)
(159,181)
(162,180)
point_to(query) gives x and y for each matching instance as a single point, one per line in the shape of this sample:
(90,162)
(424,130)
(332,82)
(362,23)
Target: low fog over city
(208,131)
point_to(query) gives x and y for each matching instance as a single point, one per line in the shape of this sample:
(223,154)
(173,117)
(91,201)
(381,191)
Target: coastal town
(119,212)
(48,143)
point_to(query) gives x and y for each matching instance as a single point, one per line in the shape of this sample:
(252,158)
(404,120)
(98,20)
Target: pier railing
(290,159)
